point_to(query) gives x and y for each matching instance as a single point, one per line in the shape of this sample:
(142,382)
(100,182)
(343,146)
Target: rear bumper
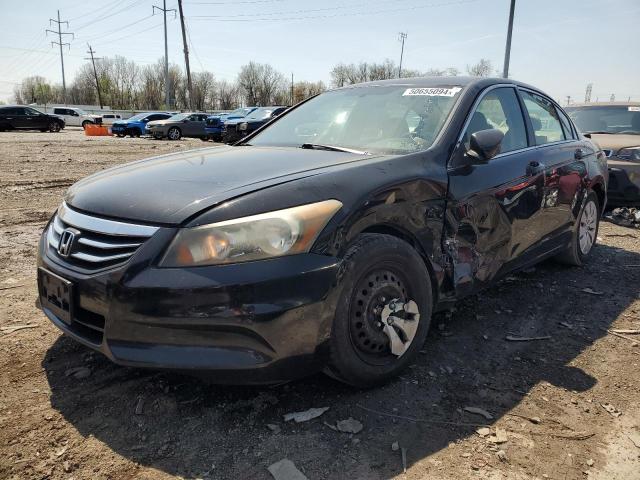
(254,323)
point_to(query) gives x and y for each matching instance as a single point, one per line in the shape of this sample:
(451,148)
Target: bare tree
(261,84)
(228,96)
(204,90)
(304,90)
(481,69)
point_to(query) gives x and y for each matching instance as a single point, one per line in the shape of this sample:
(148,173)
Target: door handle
(579,154)
(534,168)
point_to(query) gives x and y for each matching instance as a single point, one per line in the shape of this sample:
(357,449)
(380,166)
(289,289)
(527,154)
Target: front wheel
(85,123)
(174,133)
(54,127)
(383,311)
(585,233)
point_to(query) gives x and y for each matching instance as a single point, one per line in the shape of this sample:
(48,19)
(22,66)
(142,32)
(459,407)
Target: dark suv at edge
(327,239)
(20,117)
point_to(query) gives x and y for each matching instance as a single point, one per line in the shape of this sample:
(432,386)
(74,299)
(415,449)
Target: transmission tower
(60,43)
(587,94)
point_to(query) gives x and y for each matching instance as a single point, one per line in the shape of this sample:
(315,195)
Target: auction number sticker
(432,92)
(634,109)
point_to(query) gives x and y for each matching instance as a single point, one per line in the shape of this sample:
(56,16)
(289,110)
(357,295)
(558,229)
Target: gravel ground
(545,397)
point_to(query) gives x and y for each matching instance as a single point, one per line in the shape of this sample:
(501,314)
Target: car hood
(616,141)
(169,189)
(159,122)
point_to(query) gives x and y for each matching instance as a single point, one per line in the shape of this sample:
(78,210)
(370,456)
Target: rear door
(20,118)
(493,209)
(562,156)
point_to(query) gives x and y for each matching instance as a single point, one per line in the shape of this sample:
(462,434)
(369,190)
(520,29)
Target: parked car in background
(136,125)
(234,130)
(19,117)
(179,125)
(615,126)
(110,118)
(215,123)
(281,256)
(76,117)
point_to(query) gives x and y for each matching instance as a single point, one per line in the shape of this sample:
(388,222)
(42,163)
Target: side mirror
(485,144)
(185,120)
(145,120)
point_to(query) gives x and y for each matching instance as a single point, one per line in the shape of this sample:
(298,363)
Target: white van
(76,117)
(109,118)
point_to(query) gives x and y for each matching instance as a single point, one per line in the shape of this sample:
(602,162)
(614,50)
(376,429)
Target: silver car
(178,126)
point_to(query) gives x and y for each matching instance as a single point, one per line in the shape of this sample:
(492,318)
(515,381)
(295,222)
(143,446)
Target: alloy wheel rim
(173,134)
(587,229)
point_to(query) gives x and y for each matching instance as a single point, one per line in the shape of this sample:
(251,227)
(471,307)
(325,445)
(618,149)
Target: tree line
(125,85)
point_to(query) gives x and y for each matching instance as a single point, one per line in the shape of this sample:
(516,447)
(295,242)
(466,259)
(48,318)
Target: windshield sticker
(432,92)
(634,109)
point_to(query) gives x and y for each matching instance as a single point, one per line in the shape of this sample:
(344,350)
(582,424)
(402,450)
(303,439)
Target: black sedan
(235,129)
(326,240)
(20,117)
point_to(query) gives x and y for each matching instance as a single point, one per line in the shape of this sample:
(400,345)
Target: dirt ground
(545,397)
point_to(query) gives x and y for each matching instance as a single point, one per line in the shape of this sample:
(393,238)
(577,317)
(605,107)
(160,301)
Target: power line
(100,19)
(60,43)
(164,11)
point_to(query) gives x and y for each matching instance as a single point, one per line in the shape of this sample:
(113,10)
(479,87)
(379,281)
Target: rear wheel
(383,312)
(54,127)
(134,132)
(121,135)
(174,133)
(585,233)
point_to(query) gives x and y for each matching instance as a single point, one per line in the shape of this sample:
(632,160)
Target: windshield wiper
(600,132)
(317,146)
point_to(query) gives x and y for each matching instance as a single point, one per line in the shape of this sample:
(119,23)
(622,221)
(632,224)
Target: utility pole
(186,55)
(60,43)
(507,50)
(291,89)
(568,100)
(95,72)
(167,98)
(403,36)
(587,93)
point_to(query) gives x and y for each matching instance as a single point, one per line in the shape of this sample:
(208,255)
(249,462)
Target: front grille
(97,243)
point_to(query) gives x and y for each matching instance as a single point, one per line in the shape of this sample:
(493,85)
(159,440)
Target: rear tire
(585,233)
(378,269)
(120,135)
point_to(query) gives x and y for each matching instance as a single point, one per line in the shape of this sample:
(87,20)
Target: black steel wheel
(383,311)
(54,126)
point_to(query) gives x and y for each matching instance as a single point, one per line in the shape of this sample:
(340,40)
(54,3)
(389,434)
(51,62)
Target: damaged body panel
(326,239)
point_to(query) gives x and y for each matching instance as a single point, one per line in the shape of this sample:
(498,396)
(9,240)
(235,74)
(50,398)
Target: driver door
(493,207)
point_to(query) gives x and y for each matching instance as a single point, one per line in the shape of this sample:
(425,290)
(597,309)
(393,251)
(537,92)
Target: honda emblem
(66,243)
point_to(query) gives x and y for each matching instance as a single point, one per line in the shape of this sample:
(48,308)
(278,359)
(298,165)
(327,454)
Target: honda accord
(326,239)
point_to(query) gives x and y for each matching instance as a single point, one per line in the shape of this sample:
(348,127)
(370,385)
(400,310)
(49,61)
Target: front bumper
(253,323)
(624,183)
(115,129)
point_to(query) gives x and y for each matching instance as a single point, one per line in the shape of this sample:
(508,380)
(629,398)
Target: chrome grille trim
(100,243)
(102,225)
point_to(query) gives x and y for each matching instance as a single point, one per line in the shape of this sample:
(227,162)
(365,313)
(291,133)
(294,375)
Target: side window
(566,126)
(20,111)
(500,109)
(544,119)
(59,111)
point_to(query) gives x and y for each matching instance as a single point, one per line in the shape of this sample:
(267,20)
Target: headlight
(267,235)
(631,153)
(242,126)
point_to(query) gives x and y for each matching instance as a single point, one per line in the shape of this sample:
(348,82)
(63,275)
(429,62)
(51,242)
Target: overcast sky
(558,45)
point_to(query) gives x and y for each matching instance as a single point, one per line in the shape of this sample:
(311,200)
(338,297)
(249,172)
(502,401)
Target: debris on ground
(535,420)
(14,328)
(395,446)
(78,372)
(502,455)
(635,439)
(518,338)
(499,437)
(403,451)
(590,462)
(484,431)
(306,415)
(273,427)
(624,216)
(591,291)
(139,410)
(613,411)
(350,425)
(285,470)
(479,411)
(628,332)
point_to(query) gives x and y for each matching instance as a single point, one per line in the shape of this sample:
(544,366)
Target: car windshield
(239,112)
(608,119)
(376,119)
(259,114)
(179,116)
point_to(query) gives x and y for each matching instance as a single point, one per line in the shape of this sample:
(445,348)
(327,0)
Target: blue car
(137,125)
(215,123)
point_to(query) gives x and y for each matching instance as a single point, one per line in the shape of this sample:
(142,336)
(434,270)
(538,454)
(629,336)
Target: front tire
(585,233)
(85,123)
(380,271)
(54,127)
(174,133)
